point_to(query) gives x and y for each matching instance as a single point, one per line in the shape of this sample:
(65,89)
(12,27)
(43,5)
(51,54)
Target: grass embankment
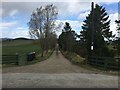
(74,58)
(23,48)
(78,60)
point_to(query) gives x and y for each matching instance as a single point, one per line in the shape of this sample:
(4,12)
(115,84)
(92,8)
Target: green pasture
(23,48)
(20,46)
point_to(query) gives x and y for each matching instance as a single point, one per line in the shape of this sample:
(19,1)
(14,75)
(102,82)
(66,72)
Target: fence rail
(104,62)
(9,59)
(17,59)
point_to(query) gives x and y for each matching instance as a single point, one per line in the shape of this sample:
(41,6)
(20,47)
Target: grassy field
(20,46)
(23,48)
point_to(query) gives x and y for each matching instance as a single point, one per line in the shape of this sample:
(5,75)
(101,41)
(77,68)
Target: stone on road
(56,71)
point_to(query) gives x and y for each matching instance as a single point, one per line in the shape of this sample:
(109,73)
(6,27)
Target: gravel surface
(55,72)
(70,80)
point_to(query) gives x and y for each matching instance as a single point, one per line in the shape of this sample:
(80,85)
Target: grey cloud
(22,7)
(64,8)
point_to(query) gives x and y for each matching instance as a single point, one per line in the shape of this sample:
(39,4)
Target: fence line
(16,59)
(104,62)
(10,59)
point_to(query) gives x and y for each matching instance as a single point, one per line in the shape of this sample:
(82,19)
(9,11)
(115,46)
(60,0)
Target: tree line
(94,37)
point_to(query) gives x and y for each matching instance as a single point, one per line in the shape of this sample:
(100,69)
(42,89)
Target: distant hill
(5,39)
(21,38)
(10,39)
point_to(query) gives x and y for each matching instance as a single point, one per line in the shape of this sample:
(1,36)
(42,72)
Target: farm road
(57,71)
(55,64)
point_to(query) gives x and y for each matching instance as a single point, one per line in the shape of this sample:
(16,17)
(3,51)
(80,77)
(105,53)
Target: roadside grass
(23,48)
(78,60)
(74,58)
(111,47)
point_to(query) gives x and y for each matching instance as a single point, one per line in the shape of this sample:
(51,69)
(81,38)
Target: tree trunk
(42,47)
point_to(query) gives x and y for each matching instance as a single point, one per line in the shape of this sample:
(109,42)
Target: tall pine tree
(117,42)
(96,30)
(67,38)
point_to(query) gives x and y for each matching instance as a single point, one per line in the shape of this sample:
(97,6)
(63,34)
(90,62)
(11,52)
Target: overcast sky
(15,15)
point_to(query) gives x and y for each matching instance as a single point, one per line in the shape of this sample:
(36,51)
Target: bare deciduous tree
(42,24)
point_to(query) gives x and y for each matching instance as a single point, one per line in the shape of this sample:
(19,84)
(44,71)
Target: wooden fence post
(22,60)
(17,58)
(105,63)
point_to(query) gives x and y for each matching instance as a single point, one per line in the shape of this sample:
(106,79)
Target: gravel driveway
(55,72)
(55,64)
(70,80)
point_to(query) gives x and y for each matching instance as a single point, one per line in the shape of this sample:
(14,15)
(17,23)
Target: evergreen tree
(96,30)
(67,38)
(117,42)
(67,27)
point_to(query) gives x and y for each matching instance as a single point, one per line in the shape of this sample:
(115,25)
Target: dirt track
(55,64)
(55,72)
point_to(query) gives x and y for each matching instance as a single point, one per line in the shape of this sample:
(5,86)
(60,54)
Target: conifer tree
(96,28)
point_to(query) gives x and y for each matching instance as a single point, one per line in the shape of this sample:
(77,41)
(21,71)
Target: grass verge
(77,60)
(39,58)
